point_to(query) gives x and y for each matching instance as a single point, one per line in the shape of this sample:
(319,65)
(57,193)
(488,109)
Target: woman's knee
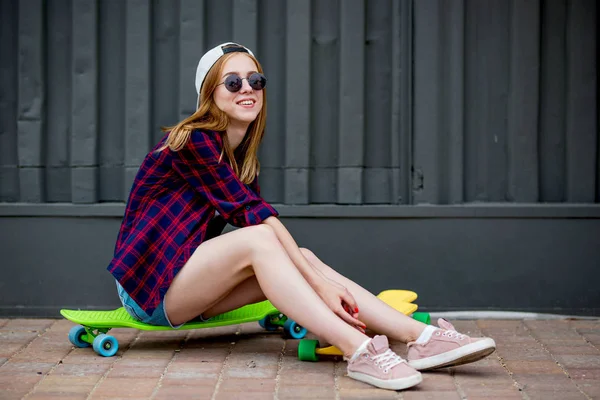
(310,256)
(261,237)
(315,261)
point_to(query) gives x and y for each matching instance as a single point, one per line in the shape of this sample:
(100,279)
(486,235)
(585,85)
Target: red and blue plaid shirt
(170,212)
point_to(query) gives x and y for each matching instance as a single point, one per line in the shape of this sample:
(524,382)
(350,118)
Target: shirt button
(247,208)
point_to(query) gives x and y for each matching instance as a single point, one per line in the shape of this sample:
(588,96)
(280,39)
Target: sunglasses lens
(233,83)
(257,81)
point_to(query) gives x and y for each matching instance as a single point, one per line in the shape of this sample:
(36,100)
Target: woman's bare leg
(247,292)
(219,265)
(377,315)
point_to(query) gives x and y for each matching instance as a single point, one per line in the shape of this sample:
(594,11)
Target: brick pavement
(535,359)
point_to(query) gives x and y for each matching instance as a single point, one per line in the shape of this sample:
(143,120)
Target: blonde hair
(209,116)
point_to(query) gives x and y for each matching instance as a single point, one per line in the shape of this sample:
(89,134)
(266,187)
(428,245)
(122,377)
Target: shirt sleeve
(198,164)
(255,186)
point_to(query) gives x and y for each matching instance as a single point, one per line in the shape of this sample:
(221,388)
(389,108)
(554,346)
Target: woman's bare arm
(336,296)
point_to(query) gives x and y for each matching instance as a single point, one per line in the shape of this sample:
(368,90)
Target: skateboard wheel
(75,335)
(422,317)
(106,345)
(307,350)
(293,330)
(267,324)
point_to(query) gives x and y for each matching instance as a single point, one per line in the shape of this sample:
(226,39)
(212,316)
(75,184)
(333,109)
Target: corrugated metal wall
(370,102)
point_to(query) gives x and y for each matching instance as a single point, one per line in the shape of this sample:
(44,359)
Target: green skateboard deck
(119,318)
(94,325)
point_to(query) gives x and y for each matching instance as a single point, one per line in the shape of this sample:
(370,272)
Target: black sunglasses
(233,82)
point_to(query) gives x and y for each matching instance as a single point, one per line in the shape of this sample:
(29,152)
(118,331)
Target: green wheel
(422,317)
(307,350)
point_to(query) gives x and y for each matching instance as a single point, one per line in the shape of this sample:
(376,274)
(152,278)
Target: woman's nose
(245,86)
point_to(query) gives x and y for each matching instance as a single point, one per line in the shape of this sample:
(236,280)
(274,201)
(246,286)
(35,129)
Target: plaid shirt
(170,212)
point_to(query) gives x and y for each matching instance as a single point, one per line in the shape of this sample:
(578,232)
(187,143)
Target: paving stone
(10,349)
(584,373)
(19,381)
(26,367)
(579,361)
(502,327)
(88,356)
(305,391)
(159,363)
(589,325)
(126,371)
(308,378)
(17,336)
(532,367)
(81,369)
(544,382)
(146,353)
(246,386)
(61,326)
(413,394)
(246,396)
(251,369)
(593,338)
(372,394)
(436,382)
(56,396)
(591,388)
(582,349)
(522,351)
(14,393)
(199,392)
(40,356)
(256,369)
(29,324)
(61,384)
(191,371)
(545,395)
(125,388)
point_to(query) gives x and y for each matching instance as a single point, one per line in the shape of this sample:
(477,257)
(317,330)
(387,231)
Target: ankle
(425,335)
(357,350)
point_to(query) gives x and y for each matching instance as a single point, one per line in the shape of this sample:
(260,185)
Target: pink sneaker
(381,367)
(448,348)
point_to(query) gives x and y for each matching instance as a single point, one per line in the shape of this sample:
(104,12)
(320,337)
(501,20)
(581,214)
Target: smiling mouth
(246,103)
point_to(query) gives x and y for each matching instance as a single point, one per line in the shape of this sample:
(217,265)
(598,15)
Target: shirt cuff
(259,213)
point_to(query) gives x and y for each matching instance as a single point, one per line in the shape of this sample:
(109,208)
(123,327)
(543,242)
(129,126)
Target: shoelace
(454,334)
(387,360)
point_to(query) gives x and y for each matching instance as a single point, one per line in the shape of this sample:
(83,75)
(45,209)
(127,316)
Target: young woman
(171,264)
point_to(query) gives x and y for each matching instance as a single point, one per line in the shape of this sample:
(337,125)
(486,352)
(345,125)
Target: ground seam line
(51,369)
(279,368)
(336,379)
(22,349)
(459,389)
(162,375)
(220,379)
(520,387)
(113,366)
(584,338)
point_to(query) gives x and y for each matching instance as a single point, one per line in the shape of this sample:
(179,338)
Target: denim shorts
(159,317)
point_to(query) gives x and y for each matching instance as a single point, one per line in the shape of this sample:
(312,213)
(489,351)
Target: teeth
(246,102)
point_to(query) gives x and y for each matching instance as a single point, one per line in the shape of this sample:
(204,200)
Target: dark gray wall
(540,258)
(381,113)
(370,102)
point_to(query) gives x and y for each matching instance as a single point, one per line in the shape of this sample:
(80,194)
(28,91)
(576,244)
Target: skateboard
(401,300)
(93,326)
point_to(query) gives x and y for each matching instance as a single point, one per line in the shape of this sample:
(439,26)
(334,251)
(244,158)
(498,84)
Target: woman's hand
(340,301)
